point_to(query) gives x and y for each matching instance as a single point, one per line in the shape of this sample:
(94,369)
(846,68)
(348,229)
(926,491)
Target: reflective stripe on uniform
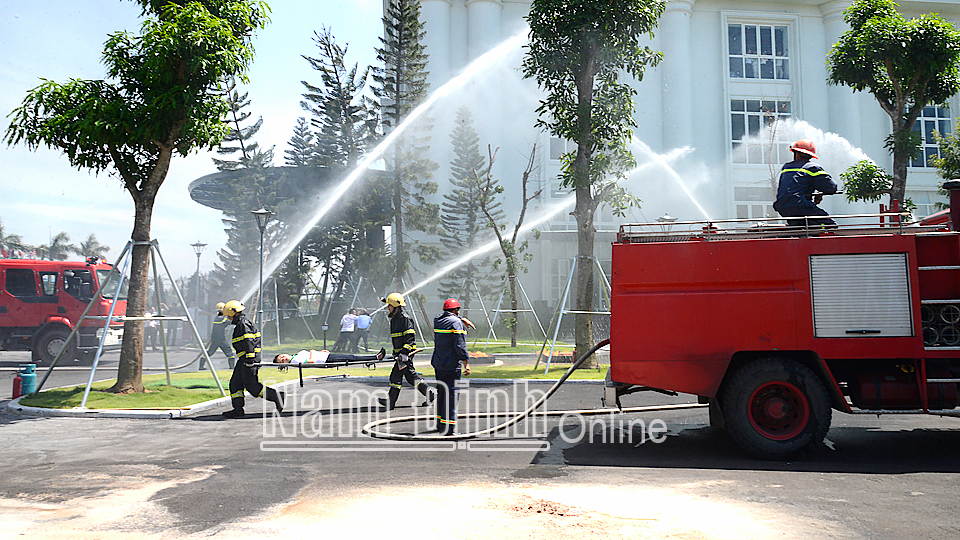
(806,171)
(246,336)
(451,331)
(395,385)
(238,393)
(405,332)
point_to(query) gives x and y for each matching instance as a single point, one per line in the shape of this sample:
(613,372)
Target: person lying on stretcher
(322,357)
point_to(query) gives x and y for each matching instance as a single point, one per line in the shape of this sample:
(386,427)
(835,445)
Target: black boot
(431,397)
(276,398)
(234,413)
(392,396)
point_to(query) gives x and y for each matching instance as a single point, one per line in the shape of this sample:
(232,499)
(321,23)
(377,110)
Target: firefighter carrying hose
(246,341)
(404,339)
(800,179)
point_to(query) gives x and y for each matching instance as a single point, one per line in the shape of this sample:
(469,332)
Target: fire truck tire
(50,344)
(776,409)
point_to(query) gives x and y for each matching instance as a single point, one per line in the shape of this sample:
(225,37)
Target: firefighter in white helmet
(404,339)
(802,186)
(246,341)
(218,339)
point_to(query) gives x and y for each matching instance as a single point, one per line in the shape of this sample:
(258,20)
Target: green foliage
(239,138)
(463,224)
(948,164)
(300,153)
(91,247)
(400,86)
(865,181)
(905,63)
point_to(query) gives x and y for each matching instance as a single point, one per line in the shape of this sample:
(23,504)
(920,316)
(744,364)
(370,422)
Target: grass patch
(196,387)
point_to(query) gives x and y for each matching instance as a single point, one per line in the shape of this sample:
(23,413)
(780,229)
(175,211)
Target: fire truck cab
(42,301)
(777,326)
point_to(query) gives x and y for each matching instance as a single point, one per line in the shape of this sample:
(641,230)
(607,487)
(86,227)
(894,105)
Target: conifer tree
(464,226)
(301,151)
(401,85)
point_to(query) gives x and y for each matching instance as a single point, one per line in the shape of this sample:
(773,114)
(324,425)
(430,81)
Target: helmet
(232,307)
(394,299)
(805,146)
(450,303)
(220,306)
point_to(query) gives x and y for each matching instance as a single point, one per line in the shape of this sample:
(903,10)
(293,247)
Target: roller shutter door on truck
(861,295)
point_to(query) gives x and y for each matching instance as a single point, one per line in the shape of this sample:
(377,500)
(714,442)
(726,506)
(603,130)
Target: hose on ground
(371,428)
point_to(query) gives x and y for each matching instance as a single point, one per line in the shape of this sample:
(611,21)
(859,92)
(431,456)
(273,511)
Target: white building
(729,66)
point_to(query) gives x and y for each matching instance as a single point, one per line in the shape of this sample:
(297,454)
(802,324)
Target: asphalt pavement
(658,474)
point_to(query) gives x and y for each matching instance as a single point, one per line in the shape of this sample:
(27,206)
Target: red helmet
(451,303)
(805,146)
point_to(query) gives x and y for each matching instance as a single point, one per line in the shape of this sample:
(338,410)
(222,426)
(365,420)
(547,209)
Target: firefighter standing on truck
(246,341)
(799,180)
(404,339)
(449,353)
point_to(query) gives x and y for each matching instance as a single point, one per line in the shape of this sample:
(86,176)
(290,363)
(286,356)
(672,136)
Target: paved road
(308,472)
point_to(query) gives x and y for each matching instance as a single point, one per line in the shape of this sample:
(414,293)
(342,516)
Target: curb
(14,407)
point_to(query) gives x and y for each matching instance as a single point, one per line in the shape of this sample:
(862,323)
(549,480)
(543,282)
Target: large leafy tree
(906,64)
(401,85)
(463,224)
(159,101)
(577,53)
(91,247)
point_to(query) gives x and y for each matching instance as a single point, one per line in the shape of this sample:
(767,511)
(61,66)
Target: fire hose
(371,428)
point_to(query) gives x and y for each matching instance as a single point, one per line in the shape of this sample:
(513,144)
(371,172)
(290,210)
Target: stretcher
(366,362)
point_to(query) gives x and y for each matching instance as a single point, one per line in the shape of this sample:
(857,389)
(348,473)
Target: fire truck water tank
(896,390)
(28,376)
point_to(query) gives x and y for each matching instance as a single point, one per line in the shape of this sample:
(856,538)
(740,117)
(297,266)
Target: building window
(927,202)
(754,202)
(747,117)
(932,119)
(758,51)
(559,147)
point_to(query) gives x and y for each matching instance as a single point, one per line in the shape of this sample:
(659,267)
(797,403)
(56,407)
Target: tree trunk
(512,279)
(583,330)
(899,188)
(130,369)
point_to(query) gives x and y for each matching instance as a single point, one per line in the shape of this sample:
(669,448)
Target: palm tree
(10,242)
(59,248)
(91,247)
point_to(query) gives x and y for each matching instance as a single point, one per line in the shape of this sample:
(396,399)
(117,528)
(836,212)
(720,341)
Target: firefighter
(449,354)
(246,341)
(218,338)
(404,339)
(800,179)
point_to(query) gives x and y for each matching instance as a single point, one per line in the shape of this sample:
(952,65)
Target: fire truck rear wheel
(50,344)
(776,408)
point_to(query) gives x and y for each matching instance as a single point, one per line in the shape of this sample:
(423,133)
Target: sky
(41,195)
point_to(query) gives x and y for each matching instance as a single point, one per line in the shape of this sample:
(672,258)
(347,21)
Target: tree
(577,52)
(301,151)
(401,87)
(239,138)
(513,253)
(10,243)
(905,64)
(463,223)
(59,247)
(91,247)
(159,101)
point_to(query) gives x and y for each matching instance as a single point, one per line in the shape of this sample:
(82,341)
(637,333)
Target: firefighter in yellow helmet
(404,339)
(218,339)
(246,341)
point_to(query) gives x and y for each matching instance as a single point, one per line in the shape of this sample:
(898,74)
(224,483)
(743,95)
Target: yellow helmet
(220,306)
(394,299)
(232,307)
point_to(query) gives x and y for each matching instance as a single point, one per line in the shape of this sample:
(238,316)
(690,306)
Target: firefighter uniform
(799,179)
(218,340)
(404,339)
(246,341)
(450,350)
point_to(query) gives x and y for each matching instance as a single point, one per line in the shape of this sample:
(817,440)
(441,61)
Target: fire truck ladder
(125,259)
(561,308)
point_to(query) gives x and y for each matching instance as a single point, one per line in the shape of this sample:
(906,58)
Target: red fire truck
(777,326)
(42,301)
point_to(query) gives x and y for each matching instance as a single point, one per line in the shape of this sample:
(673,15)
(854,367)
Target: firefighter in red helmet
(450,359)
(802,186)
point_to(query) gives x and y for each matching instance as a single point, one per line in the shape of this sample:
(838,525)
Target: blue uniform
(799,179)
(450,349)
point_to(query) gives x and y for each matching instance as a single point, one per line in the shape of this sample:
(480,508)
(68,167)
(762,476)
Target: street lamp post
(198,249)
(263,216)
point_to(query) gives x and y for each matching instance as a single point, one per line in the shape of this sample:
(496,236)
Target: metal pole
(260,290)
(103,336)
(559,318)
(495,313)
(276,308)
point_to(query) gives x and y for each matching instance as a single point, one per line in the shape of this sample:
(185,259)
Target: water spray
(673,174)
(482,63)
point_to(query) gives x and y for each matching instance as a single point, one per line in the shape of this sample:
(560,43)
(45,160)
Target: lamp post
(263,216)
(666,221)
(198,249)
